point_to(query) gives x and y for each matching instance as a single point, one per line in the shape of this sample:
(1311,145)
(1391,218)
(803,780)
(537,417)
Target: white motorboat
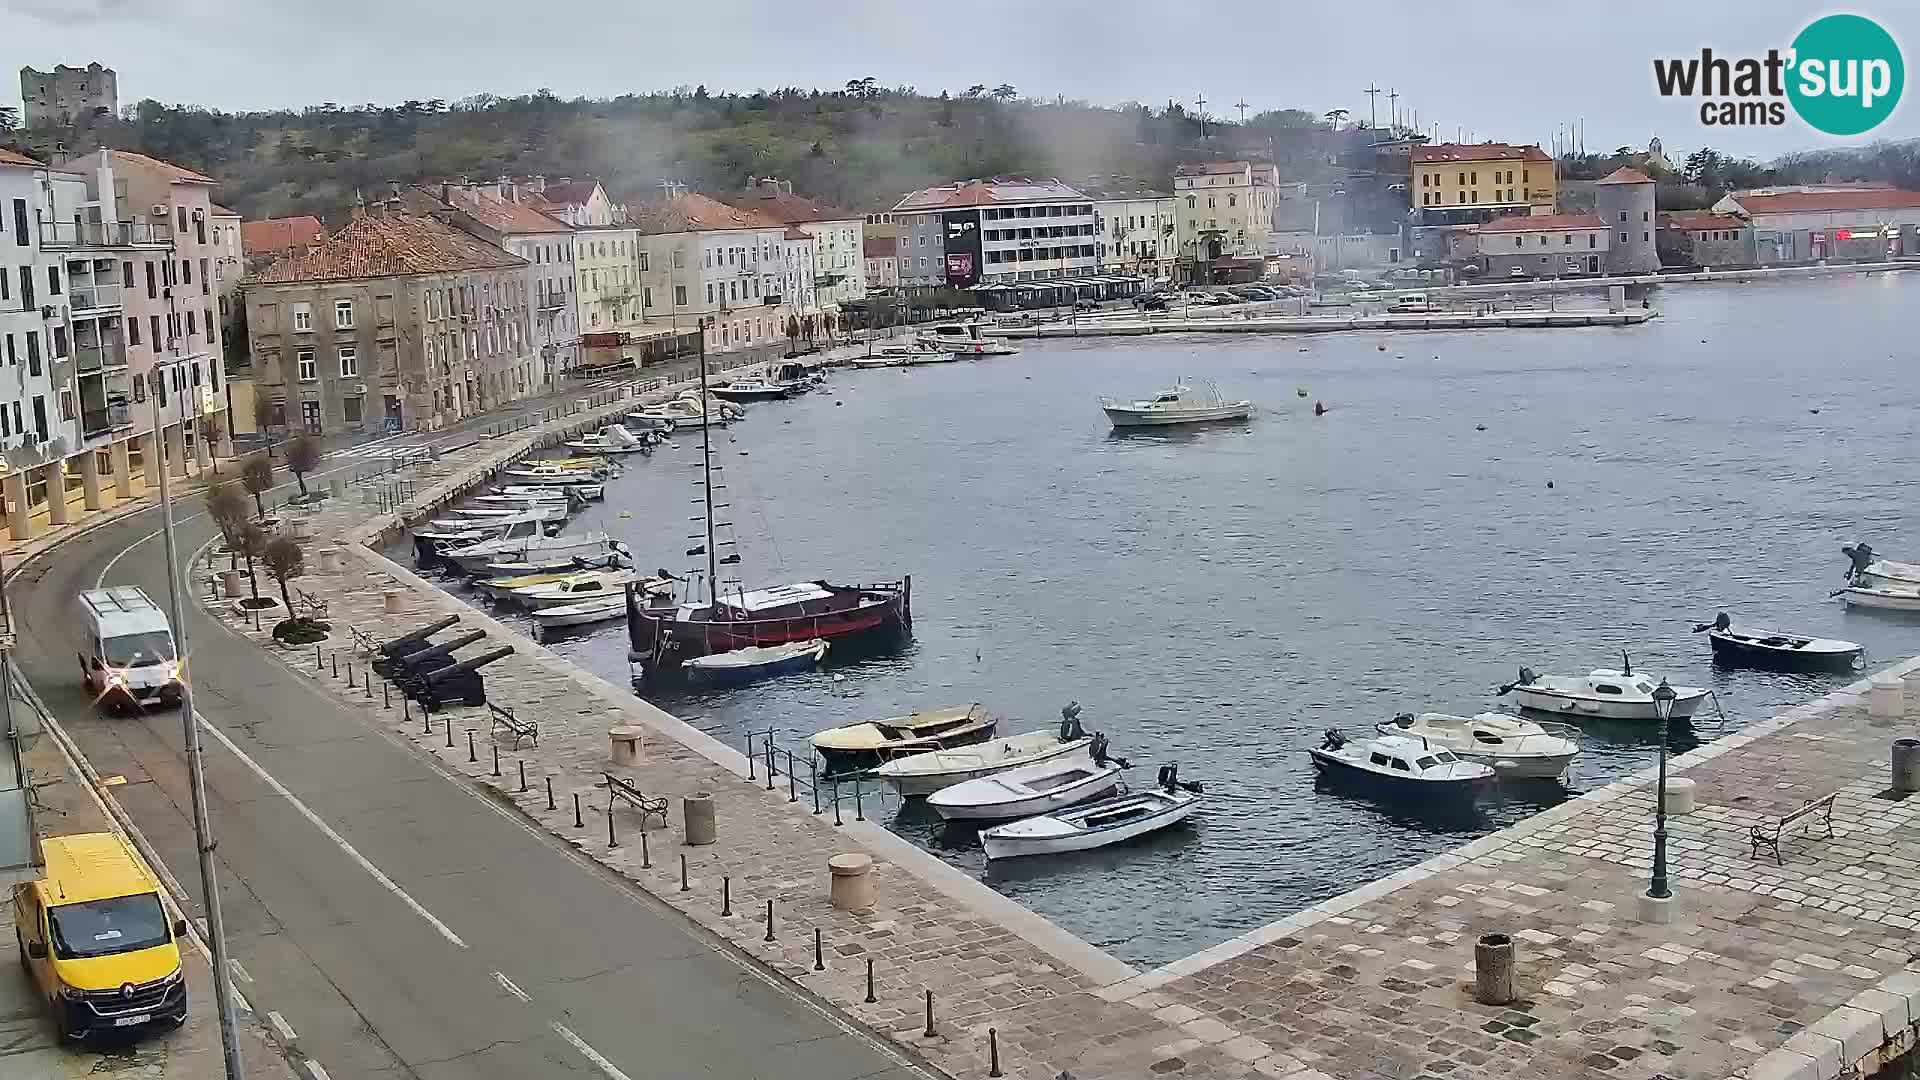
(573,589)
(1096,824)
(612,439)
(584,613)
(1887,597)
(1398,762)
(685,414)
(1181,404)
(757,662)
(550,511)
(798,378)
(881,359)
(526,493)
(1040,788)
(1602,692)
(1514,747)
(430,543)
(553,475)
(924,774)
(751,390)
(473,558)
(615,555)
(963,339)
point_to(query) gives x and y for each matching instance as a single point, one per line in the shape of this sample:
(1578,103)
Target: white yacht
(1514,747)
(1180,404)
(1398,762)
(1602,692)
(963,339)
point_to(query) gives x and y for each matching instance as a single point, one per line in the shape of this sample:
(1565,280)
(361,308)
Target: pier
(1327,324)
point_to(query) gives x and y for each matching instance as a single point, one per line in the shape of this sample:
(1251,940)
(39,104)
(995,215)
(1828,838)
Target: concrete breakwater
(1324,324)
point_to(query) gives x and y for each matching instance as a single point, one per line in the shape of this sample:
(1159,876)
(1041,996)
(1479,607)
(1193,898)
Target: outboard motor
(1070,728)
(1333,740)
(1099,753)
(1860,556)
(1720,624)
(1526,678)
(1170,782)
(1404,720)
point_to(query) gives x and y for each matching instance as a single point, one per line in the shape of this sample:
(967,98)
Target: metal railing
(67,234)
(88,359)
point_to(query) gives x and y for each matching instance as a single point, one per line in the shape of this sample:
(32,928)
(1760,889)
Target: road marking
(239,972)
(282,1029)
(508,985)
(314,1070)
(590,1053)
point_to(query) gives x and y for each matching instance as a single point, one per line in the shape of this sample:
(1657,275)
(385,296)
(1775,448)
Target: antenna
(1373,92)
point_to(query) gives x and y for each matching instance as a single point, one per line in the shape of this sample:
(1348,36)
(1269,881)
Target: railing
(57,234)
(92,297)
(102,420)
(89,359)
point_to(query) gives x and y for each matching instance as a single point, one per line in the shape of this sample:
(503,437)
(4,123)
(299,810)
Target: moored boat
(580,587)
(860,747)
(1602,692)
(759,662)
(430,544)
(924,774)
(474,558)
(1180,404)
(963,339)
(751,390)
(1041,788)
(1778,651)
(613,439)
(1513,746)
(1096,824)
(1397,763)
(1866,568)
(1885,597)
(585,613)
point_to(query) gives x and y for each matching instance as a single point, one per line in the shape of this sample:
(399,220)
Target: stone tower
(1624,200)
(67,95)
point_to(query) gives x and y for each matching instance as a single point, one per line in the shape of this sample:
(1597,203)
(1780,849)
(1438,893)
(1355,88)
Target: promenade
(1797,970)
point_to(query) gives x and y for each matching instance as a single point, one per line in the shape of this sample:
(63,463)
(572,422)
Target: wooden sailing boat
(663,636)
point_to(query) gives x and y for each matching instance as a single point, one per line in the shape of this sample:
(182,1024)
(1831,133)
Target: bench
(364,643)
(522,729)
(1767,834)
(316,608)
(647,807)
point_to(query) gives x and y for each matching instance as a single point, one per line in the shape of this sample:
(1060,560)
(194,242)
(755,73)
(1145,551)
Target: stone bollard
(330,559)
(391,601)
(1906,766)
(624,746)
(696,819)
(230,583)
(1884,699)
(851,886)
(337,486)
(1680,795)
(1493,970)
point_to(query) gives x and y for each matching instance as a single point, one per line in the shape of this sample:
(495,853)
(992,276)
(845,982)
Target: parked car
(1086,305)
(1151,302)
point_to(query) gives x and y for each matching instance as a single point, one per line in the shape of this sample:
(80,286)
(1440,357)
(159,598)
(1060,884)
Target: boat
(1603,693)
(880,359)
(964,339)
(684,414)
(758,662)
(553,475)
(1096,824)
(508,494)
(1514,747)
(798,378)
(1040,788)
(1866,568)
(1398,762)
(924,774)
(1886,597)
(751,390)
(859,747)
(733,617)
(1781,652)
(474,558)
(1180,404)
(585,613)
(614,439)
(551,513)
(495,587)
(430,544)
(615,555)
(580,586)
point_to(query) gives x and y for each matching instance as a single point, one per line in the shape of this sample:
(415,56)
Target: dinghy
(924,774)
(859,747)
(1514,747)
(1097,824)
(599,609)
(1603,693)
(1398,763)
(1040,788)
(1887,597)
(756,662)
(1780,652)
(577,588)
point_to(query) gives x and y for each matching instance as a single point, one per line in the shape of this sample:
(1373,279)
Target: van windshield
(138,650)
(102,927)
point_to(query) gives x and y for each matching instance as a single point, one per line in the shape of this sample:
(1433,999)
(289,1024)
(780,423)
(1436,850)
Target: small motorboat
(544,475)
(495,587)
(1096,824)
(1514,747)
(1780,652)
(798,378)
(579,587)
(924,774)
(475,558)
(1888,596)
(614,439)
(963,339)
(1398,762)
(1026,790)
(1180,404)
(756,662)
(751,390)
(548,510)
(684,414)
(883,358)
(519,494)
(598,610)
(860,747)
(1603,693)
(431,543)
(554,567)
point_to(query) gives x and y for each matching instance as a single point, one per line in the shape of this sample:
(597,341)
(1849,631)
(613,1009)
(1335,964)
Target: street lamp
(196,769)
(1663,696)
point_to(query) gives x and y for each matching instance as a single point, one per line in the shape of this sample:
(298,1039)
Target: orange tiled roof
(271,235)
(1790,202)
(1625,175)
(506,217)
(388,245)
(795,232)
(784,206)
(173,172)
(1704,222)
(692,212)
(575,193)
(1542,223)
(1005,189)
(8,157)
(221,211)
(1443,152)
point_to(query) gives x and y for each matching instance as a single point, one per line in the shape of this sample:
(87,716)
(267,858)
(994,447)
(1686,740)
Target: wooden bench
(1767,834)
(522,729)
(647,807)
(364,643)
(315,608)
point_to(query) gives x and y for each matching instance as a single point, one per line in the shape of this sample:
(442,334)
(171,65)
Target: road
(402,924)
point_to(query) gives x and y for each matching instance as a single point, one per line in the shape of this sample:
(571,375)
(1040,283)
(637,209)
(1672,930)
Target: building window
(1646,215)
(53,280)
(343,314)
(1567,240)
(153,324)
(1623,236)
(1623,217)
(1645,236)
(133,331)
(190,324)
(1517,241)
(349,361)
(1593,240)
(680,295)
(153,289)
(302,316)
(303,365)
(709,292)
(186,271)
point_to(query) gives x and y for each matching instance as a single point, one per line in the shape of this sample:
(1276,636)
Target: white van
(128,658)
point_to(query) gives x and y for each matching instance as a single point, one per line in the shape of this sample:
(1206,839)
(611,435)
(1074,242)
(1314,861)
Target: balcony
(88,298)
(56,235)
(95,423)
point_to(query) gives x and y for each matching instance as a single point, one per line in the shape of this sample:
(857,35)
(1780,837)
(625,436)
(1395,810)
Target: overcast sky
(1498,69)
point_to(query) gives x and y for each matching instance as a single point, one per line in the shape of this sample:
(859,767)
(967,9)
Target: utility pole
(1393,106)
(1242,106)
(1202,102)
(1373,93)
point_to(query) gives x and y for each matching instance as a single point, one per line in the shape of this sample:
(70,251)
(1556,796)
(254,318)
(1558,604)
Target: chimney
(393,189)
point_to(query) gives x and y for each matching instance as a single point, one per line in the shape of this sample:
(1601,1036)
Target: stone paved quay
(1764,971)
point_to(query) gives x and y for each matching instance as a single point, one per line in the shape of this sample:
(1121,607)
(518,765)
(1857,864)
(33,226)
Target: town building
(396,322)
(799,252)
(882,257)
(67,95)
(1467,183)
(265,241)
(1624,200)
(229,257)
(995,232)
(1225,211)
(838,274)
(580,203)
(31,300)
(606,284)
(1135,223)
(1808,223)
(880,225)
(1546,246)
(711,267)
(1709,240)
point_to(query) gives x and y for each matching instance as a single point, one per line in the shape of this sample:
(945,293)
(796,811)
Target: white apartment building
(838,272)
(799,250)
(1225,209)
(717,267)
(998,231)
(30,313)
(1136,225)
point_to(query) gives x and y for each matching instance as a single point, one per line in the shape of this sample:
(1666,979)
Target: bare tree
(303,456)
(257,476)
(213,431)
(227,506)
(253,544)
(284,561)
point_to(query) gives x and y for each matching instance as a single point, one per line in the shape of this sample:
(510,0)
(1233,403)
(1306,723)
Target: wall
(837,252)
(65,95)
(923,262)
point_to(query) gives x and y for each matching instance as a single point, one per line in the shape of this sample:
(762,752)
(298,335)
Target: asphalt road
(402,924)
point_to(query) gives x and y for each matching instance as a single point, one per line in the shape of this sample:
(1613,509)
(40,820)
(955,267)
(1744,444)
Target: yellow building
(1458,183)
(606,279)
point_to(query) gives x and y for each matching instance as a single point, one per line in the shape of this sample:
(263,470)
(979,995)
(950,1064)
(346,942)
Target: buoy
(1302,391)
(626,513)
(1319,408)
(837,404)
(1382,347)
(1479,427)
(1815,412)
(1549,485)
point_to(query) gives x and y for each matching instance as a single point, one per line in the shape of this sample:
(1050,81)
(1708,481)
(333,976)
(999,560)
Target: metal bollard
(611,841)
(859,808)
(993,1053)
(683,873)
(1493,969)
(423,709)
(319,660)
(769,761)
(472,756)
(929,1033)
(793,792)
(523,775)
(769,936)
(750,762)
(366,683)
(870,999)
(819,957)
(496,759)
(726,897)
(335,657)
(550,805)
(813,783)
(836,802)
(646,857)
(386,694)
(577,823)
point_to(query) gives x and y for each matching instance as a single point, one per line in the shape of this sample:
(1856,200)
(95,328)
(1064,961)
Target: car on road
(1151,302)
(1086,305)
(95,939)
(128,658)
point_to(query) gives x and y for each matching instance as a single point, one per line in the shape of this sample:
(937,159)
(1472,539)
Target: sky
(1500,70)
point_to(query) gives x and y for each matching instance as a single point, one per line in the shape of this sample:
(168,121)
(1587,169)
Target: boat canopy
(775,596)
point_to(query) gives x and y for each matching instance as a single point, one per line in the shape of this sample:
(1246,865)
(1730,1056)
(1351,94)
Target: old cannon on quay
(458,684)
(410,642)
(408,670)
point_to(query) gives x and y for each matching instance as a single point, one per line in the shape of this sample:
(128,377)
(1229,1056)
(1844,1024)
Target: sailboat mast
(706,475)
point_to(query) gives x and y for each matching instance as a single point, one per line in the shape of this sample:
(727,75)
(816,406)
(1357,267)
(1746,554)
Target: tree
(9,119)
(793,335)
(1004,93)
(253,544)
(227,507)
(262,414)
(213,431)
(284,561)
(256,475)
(1336,116)
(976,90)
(303,456)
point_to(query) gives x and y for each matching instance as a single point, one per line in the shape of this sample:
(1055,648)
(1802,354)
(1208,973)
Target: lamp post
(1657,889)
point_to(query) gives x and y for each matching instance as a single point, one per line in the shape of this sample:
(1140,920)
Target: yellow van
(94,936)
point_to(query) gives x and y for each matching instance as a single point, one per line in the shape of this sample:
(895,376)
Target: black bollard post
(471,754)
(726,897)
(836,803)
(611,841)
(646,857)
(366,682)
(929,1033)
(335,658)
(769,936)
(793,792)
(386,694)
(859,808)
(769,761)
(406,712)
(683,873)
(813,783)
(750,761)
(523,775)
(577,823)
(993,1053)
(423,709)
(870,999)
(319,660)
(350,683)
(496,760)
(819,956)
(550,805)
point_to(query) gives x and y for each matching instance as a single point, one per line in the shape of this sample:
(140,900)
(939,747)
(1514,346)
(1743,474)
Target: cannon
(459,684)
(407,670)
(409,642)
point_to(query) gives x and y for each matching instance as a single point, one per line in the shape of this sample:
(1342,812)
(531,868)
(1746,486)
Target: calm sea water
(1217,598)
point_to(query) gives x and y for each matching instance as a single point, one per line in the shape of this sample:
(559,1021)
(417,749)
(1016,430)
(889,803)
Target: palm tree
(976,90)
(1004,92)
(1336,116)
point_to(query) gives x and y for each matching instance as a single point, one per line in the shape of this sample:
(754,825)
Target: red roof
(274,235)
(575,193)
(387,245)
(691,212)
(505,217)
(1625,175)
(1704,222)
(8,157)
(1439,152)
(173,172)
(1790,202)
(1004,189)
(1542,223)
(879,247)
(785,206)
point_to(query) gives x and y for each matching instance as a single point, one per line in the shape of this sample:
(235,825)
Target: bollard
(366,683)
(1493,969)
(726,897)
(550,805)
(836,803)
(683,873)
(750,762)
(646,857)
(769,936)
(769,761)
(1906,766)
(819,956)
(386,694)
(870,999)
(611,841)
(406,714)
(335,657)
(993,1053)
(813,783)
(859,807)
(523,776)
(423,709)
(349,674)
(793,792)
(319,661)
(471,755)
(577,823)
(496,760)
(930,1033)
